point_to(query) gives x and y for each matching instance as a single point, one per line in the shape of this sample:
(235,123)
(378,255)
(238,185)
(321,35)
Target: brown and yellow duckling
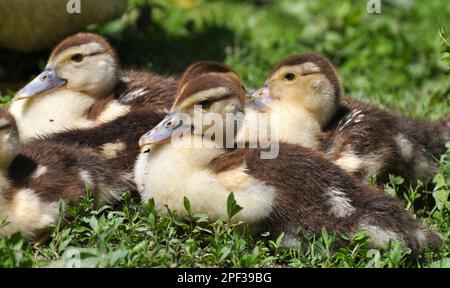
(83,86)
(116,140)
(37,175)
(361,138)
(296,191)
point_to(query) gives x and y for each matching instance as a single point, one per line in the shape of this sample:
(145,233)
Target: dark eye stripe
(95,53)
(310,73)
(87,55)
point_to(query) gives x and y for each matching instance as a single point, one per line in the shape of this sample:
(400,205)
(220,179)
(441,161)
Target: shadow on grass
(169,54)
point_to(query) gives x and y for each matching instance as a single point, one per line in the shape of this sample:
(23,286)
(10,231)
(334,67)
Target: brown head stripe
(84,38)
(210,81)
(324,65)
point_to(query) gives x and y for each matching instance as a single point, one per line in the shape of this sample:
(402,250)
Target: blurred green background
(391,58)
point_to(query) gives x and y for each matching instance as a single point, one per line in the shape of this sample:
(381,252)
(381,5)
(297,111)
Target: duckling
(82,86)
(116,140)
(34,177)
(361,138)
(297,191)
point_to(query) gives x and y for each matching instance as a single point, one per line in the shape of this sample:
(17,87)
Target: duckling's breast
(169,174)
(51,113)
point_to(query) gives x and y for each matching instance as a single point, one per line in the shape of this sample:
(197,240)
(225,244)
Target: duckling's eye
(289,76)
(77,58)
(206,103)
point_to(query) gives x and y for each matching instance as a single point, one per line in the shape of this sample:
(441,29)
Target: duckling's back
(370,141)
(116,141)
(312,194)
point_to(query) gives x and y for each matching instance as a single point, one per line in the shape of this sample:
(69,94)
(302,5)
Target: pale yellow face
(87,68)
(304,85)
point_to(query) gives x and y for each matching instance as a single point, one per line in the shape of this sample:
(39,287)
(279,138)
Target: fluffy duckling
(83,86)
(116,140)
(361,138)
(37,175)
(296,191)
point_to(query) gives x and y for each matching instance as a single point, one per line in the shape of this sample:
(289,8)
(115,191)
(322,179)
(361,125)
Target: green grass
(398,59)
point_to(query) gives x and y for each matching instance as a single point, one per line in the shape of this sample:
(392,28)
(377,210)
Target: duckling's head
(200,105)
(306,79)
(9,139)
(83,63)
(204,67)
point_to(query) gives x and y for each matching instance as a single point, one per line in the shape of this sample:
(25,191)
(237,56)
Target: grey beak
(163,131)
(45,81)
(260,100)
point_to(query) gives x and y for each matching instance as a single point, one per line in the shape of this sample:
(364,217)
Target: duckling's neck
(196,151)
(295,124)
(323,115)
(256,128)
(51,113)
(168,168)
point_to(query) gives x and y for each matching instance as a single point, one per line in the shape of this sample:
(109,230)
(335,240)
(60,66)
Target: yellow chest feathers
(51,113)
(58,111)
